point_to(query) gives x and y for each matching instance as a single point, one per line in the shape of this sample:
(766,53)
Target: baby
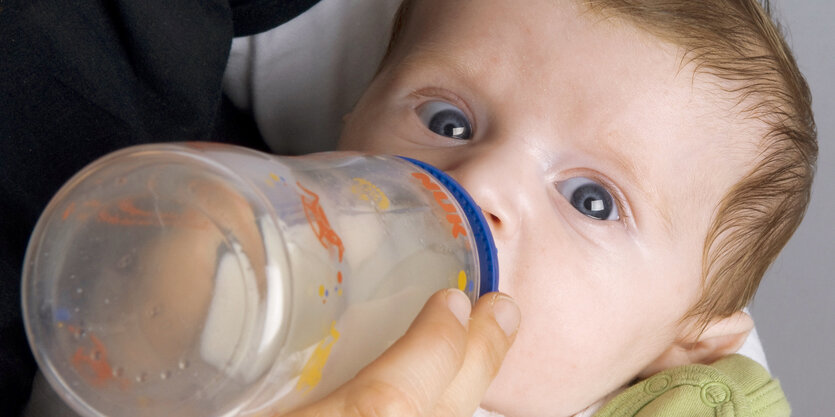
(641,164)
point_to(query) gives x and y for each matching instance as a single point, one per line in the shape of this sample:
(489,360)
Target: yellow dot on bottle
(367,191)
(462,280)
(340,291)
(321,291)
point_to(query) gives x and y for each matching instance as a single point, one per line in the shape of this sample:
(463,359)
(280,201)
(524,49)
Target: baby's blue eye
(445,119)
(589,198)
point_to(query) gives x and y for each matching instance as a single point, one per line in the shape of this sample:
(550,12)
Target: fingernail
(506,313)
(459,305)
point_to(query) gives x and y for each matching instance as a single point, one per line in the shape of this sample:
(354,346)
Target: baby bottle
(212,280)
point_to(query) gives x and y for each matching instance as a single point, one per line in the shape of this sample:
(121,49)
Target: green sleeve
(734,386)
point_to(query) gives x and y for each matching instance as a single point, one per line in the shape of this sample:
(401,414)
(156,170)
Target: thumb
(492,329)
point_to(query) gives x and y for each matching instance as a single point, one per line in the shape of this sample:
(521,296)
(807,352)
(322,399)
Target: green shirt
(734,386)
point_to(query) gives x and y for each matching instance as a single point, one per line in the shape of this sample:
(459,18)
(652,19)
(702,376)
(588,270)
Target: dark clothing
(79,79)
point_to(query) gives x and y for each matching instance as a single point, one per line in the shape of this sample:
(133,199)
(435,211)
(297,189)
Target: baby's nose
(492,219)
(493,184)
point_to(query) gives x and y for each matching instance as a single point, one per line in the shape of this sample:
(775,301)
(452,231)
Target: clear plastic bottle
(210,280)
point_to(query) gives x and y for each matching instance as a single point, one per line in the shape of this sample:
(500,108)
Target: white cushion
(301,78)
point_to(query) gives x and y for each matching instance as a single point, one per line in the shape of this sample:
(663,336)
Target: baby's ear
(720,338)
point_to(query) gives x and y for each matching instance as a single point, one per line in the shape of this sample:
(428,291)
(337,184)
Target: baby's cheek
(556,366)
(585,332)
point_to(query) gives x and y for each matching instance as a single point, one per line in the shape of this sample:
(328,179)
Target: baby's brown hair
(738,43)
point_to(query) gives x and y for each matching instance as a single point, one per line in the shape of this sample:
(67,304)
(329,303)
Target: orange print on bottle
(319,221)
(81,211)
(94,365)
(443,201)
(126,213)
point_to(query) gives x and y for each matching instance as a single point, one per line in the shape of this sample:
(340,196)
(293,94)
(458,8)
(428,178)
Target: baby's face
(598,161)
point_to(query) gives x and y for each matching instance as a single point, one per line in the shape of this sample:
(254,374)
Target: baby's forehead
(687,158)
(606,87)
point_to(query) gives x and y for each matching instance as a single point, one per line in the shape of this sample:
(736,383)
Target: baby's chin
(509,402)
(485,410)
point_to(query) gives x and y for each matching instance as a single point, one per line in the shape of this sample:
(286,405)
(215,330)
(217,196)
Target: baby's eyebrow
(636,174)
(427,56)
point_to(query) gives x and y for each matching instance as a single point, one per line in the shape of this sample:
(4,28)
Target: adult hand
(441,367)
